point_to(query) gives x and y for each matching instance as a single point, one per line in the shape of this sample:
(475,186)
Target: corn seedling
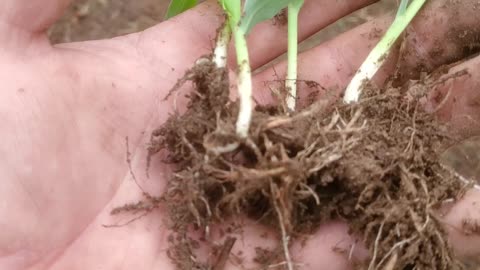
(291,80)
(376,58)
(254,12)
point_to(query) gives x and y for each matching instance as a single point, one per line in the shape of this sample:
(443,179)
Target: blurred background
(97,19)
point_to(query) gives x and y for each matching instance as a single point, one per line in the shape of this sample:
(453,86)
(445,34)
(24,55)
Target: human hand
(67,109)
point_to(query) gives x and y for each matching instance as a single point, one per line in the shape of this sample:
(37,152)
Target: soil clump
(374,165)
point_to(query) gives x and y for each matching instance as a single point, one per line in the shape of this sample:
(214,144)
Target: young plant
(233,9)
(255,11)
(291,80)
(178,6)
(406,13)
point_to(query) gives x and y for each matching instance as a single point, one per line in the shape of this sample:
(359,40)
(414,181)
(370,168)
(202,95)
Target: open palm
(66,110)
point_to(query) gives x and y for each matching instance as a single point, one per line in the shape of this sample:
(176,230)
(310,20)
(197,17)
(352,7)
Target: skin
(66,110)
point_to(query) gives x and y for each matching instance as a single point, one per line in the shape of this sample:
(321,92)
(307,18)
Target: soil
(375,165)
(99,19)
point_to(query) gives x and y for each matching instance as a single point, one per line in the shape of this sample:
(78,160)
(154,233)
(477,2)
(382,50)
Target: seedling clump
(373,162)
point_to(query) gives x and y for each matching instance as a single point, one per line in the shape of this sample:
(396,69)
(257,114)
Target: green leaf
(233,8)
(257,11)
(178,6)
(296,4)
(402,8)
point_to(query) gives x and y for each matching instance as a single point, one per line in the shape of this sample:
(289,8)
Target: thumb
(24,20)
(31,16)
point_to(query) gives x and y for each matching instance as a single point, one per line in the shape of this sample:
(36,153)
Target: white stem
(378,55)
(291,80)
(221,49)
(367,70)
(244,84)
(291,87)
(244,80)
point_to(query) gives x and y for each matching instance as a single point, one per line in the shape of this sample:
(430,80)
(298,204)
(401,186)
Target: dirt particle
(281,18)
(375,33)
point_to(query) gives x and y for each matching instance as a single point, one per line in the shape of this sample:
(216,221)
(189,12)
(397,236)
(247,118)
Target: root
(225,253)
(444,100)
(129,162)
(468,182)
(373,164)
(390,265)
(145,207)
(285,236)
(394,248)
(126,223)
(375,249)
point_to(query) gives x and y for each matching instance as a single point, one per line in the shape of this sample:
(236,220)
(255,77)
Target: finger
(23,23)
(31,16)
(463,225)
(334,63)
(331,247)
(331,64)
(193,32)
(443,33)
(269,40)
(455,97)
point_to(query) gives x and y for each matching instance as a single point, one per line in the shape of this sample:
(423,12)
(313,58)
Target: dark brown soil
(374,165)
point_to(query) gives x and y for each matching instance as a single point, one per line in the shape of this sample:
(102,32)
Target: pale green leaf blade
(257,11)
(296,4)
(233,8)
(402,8)
(178,6)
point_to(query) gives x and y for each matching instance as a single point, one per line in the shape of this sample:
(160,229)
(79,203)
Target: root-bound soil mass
(374,165)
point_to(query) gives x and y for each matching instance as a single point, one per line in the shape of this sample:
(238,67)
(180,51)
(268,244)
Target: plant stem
(291,80)
(221,49)
(244,84)
(233,9)
(379,54)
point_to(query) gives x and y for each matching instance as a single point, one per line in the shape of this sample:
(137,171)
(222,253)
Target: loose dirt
(374,165)
(100,19)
